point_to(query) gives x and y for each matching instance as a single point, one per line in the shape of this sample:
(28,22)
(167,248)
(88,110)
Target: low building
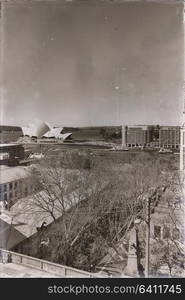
(9,134)
(9,235)
(10,154)
(14,184)
(23,220)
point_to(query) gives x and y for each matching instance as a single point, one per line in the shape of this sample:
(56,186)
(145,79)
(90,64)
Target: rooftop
(9,145)
(10,174)
(4,128)
(30,216)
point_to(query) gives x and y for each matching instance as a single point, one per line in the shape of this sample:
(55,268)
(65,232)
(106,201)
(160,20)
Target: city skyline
(81,66)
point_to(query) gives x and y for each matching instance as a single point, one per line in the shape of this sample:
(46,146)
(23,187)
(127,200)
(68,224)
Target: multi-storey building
(154,136)
(169,136)
(9,134)
(138,135)
(14,184)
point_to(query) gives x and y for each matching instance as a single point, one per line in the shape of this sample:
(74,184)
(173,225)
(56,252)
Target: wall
(60,270)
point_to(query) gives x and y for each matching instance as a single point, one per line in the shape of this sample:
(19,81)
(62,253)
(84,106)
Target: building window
(5,187)
(157,232)
(5,197)
(26,191)
(15,185)
(10,186)
(166,232)
(20,186)
(176,234)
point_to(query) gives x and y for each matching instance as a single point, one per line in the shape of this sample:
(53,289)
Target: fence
(43,265)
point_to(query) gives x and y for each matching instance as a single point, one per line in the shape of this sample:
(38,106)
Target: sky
(87,64)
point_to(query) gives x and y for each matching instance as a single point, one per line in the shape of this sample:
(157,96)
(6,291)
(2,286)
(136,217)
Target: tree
(167,253)
(87,206)
(167,243)
(126,201)
(67,191)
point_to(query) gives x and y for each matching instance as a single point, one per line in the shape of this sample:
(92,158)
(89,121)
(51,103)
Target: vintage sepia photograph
(92,139)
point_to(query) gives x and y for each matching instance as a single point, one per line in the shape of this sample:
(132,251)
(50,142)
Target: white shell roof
(37,128)
(54,132)
(57,133)
(43,129)
(64,136)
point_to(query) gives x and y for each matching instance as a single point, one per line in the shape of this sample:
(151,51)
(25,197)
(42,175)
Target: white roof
(29,215)
(8,145)
(57,133)
(9,235)
(26,216)
(43,129)
(64,136)
(10,174)
(26,131)
(54,132)
(143,127)
(37,128)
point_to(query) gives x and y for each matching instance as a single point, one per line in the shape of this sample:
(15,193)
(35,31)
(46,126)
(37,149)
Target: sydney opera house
(43,130)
